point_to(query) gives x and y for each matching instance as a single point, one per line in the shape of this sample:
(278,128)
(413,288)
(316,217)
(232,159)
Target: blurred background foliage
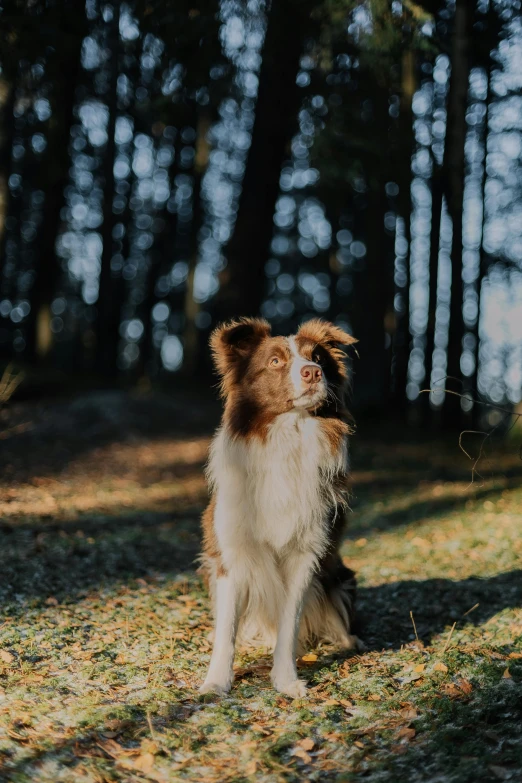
(165,165)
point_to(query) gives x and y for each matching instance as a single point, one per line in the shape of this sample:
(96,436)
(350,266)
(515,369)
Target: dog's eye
(316,358)
(274,361)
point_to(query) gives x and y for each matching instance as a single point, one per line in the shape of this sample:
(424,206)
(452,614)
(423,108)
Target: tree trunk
(243,280)
(436,218)
(372,378)
(483,264)
(191,343)
(108,314)
(402,341)
(6,147)
(55,177)
(454,176)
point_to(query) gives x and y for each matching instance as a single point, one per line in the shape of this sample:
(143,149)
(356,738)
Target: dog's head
(272,375)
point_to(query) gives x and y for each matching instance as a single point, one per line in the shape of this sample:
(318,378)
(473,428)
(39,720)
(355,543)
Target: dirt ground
(104,620)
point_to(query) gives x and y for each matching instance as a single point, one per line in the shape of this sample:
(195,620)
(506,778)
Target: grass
(103,634)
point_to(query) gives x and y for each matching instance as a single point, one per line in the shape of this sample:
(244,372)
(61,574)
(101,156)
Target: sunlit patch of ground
(103,637)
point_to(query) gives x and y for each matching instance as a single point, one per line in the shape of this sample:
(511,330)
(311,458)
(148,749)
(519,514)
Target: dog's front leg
(298,574)
(220,672)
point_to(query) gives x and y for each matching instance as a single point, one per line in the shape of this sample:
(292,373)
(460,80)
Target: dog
(278,478)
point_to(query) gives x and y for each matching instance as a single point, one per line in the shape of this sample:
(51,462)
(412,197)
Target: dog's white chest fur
(274,493)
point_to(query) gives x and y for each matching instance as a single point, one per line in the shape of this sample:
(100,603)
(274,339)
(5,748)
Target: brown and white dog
(277,471)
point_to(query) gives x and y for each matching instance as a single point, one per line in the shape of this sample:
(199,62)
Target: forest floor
(104,620)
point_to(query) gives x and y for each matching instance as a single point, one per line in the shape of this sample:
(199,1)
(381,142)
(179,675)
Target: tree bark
(55,177)
(402,339)
(6,147)
(454,175)
(108,314)
(436,218)
(243,280)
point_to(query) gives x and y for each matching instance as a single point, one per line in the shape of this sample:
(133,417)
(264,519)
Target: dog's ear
(234,341)
(325,333)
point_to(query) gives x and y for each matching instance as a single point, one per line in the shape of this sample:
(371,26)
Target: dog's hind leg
(339,585)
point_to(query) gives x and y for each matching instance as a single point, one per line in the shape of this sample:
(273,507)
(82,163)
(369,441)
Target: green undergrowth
(103,644)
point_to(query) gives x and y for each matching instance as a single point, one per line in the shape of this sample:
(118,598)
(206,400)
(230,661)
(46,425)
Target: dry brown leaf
(507,674)
(262,729)
(406,733)
(6,656)
(409,713)
(374,697)
(150,746)
(120,659)
(302,754)
(465,686)
(306,744)
(310,658)
(420,667)
(440,667)
(359,744)
(144,763)
(515,655)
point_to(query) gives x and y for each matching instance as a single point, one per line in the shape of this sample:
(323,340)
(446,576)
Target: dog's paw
(220,689)
(296,689)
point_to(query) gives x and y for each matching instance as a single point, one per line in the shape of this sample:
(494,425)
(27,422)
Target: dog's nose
(311,373)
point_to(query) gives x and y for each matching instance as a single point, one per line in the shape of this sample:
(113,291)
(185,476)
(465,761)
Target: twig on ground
(486,435)
(449,637)
(414,626)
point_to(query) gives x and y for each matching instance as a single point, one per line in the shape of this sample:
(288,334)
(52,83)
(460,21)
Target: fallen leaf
(310,658)
(409,678)
(51,601)
(409,713)
(302,754)
(306,744)
(359,744)
(144,763)
(440,667)
(374,697)
(420,667)
(515,655)
(149,746)
(506,675)
(465,686)
(262,729)
(6,656)
(120,659)
(406,733)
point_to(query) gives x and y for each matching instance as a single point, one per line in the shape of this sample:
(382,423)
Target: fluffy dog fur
(277,472)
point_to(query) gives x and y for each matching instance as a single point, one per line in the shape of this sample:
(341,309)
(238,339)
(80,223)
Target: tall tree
(454,179)
(64,69)
(243,282)
(108,312)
